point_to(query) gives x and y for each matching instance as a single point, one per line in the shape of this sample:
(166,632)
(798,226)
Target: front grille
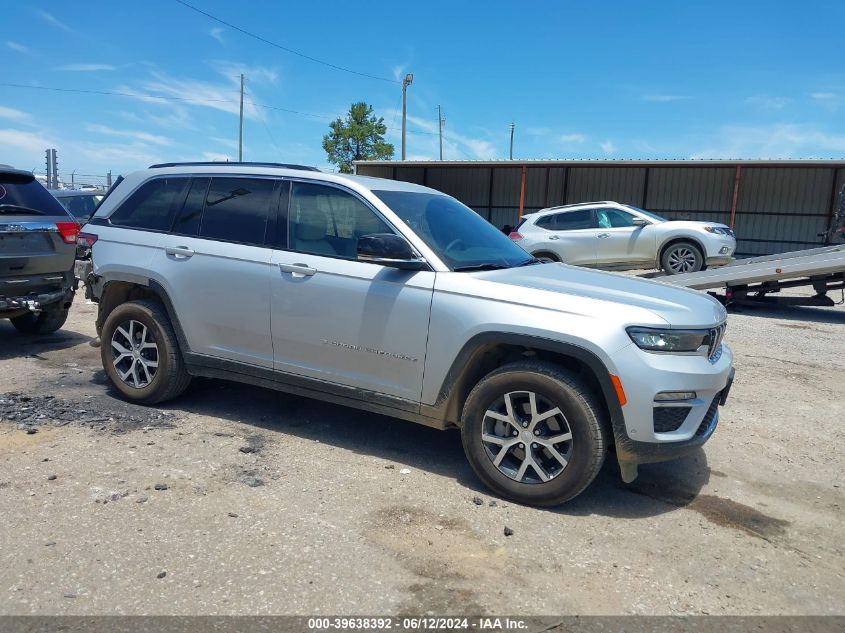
(668,419)
(714,346)
(710,418)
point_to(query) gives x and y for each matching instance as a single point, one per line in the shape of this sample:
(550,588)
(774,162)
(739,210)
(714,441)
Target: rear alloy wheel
(682,257)
(533,432)
(140,353)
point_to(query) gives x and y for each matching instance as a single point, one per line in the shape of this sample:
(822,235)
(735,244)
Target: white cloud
(217,33)
(425,143)
(664,98)
(830,100)
(50,19)
(399,71)
(781,140)
(768,102)
(568,139)
(20,48)
(26,141)
(537,131)
(216,156)
(86,68)
(254,74)
(824,96)
(225,142)
(14,115)
(607,147)
(143,137)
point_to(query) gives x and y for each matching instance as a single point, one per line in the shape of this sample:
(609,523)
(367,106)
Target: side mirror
(639,222)
(387,249)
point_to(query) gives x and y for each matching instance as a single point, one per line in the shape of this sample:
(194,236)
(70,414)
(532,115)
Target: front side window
(574,220)
(328,221)
(614,218)
(153,205)
(237,209)
(461,238)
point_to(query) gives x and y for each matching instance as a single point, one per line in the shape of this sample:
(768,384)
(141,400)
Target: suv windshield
(460,237)
(653,216)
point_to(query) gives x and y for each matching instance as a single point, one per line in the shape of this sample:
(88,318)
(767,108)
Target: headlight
(719,230)
(669,340)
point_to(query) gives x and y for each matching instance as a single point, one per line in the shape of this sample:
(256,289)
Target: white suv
(622,237)
(397,299)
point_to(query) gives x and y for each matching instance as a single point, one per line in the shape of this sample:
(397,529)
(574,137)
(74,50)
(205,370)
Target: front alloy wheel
(134,354)
(527,437)
(682,258)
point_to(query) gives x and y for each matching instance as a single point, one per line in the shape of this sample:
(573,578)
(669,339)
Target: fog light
(724,250)
(674,396)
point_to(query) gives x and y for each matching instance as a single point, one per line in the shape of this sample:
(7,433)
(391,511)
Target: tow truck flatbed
(752,280)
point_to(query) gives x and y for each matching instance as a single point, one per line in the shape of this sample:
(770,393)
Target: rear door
(572,236)
(37,237)
(215,264)
(620,243)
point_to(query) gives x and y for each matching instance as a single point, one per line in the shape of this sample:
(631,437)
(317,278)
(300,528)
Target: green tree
(358,136)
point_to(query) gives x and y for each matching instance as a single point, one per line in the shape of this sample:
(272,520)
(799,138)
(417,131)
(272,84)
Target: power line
(285,48)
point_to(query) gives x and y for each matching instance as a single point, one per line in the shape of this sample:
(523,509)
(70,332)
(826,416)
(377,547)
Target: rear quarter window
(153,205)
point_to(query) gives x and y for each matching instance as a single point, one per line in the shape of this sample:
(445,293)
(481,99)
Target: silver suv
(397,299)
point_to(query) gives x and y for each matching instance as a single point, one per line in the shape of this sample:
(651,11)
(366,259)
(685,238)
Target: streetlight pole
(241,126)
(513,125)
(440,130)
(405,83)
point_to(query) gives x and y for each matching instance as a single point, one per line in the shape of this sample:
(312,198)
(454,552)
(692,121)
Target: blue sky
(580,79)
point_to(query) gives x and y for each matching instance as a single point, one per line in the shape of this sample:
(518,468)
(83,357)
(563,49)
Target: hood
(678,307)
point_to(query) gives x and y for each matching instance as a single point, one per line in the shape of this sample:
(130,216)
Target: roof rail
(234,164)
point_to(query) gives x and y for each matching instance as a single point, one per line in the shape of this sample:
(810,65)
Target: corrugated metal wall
(778,208)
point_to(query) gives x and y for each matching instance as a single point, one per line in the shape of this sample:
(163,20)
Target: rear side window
(573,220)
(23,195)
(81,207)
(237,210)
(153,206)
(188,222)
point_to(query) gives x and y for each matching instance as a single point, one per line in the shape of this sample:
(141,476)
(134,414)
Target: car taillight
(68,231)
(514,235)
(86,240)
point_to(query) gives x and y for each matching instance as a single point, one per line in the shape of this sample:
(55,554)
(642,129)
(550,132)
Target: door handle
(180,252)
(603,235)
(297,269)
(554,237)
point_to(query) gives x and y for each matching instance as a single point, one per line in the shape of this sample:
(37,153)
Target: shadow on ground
(792,313)
(14,344)
(660,487)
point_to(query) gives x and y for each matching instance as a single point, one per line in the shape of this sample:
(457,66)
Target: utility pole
(405,83)
(108,179)
(510,154)
(440,122)
(241,127)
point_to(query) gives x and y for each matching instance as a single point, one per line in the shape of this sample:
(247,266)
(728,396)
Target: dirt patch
(31,413)
(447,556)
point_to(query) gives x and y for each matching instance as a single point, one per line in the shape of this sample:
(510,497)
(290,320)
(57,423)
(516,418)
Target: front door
(622,244)
(336,319)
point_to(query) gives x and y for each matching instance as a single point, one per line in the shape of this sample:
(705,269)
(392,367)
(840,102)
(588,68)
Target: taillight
(86,240)
(514,235)
(68,231)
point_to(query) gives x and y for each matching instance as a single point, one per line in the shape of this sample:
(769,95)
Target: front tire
(534,433)
(141,355)
(682,257)
(45,322)
(546,257)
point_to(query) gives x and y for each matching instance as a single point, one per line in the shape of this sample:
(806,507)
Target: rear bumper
(33,302)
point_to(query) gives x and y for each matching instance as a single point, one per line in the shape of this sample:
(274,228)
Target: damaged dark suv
(37,248)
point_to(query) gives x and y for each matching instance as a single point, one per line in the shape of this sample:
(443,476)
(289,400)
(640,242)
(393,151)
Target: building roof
(610,162)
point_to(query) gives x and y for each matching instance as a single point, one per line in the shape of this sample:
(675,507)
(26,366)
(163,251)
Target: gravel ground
(238,500)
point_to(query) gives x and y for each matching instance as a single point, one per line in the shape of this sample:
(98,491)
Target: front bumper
(719,260)
(643,376)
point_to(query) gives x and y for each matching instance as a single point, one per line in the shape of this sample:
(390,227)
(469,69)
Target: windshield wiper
(7,209)
(476,267)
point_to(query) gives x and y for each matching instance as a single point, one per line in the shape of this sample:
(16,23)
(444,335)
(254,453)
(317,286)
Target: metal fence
(773,206)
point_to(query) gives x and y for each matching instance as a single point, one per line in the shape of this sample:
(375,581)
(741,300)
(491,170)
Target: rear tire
(45,322)
(682,257)
(141,355)
(548,458)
